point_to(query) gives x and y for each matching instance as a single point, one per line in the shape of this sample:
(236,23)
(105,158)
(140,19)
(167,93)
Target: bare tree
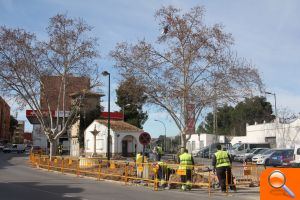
(25,61)
(191,65)
(286,130)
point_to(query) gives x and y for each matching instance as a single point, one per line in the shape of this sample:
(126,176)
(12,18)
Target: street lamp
(165,133)
(125,106)
(106,73)
(275,101)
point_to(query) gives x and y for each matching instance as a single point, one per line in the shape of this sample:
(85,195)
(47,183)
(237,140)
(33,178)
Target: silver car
(261,156)
(248,156)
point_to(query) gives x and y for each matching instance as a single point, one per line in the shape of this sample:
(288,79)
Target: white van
(296,162)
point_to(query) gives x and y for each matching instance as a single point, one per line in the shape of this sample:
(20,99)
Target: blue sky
(266,32)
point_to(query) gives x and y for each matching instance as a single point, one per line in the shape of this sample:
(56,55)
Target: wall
(52,87)
(38,137)
(196,142)
(5,134)
(287,134)
(117,137)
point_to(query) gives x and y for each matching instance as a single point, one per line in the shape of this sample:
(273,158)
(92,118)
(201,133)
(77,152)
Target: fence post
(155,182)
(126,173)
(62,165)
(39,162)
(99,172)
(226,183)
(49,160)
(209,183)
(77,168)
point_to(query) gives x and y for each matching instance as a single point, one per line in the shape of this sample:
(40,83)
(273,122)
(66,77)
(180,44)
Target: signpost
(144,140)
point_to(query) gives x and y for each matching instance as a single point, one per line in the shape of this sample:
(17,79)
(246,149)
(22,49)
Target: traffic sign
(145,138)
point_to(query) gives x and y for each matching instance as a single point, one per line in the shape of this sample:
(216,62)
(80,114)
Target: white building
(38,137)
(124,138)
(199,141)
(278,134)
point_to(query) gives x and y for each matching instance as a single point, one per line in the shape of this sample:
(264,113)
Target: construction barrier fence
(156,176)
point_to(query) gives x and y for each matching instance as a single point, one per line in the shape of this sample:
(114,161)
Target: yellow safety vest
(186,161)
(139,158)
(222,159)
(159,150)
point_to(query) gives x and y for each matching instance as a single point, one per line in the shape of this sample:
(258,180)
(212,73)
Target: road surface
(18,181)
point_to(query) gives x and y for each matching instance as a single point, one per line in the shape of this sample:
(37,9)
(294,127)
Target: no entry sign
(145,138)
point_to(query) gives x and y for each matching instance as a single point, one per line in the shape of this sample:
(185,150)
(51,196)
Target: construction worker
(164,172)
(138,162)
(159,152)
(186,163)
(221,163)
(60,149)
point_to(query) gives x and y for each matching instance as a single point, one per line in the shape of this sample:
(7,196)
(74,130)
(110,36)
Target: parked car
(196,152)
(278,157)
(243,148)
(204,152)
(261,155)
(14,148)
(296,161)
(212,149)
(1,147)
(247,157)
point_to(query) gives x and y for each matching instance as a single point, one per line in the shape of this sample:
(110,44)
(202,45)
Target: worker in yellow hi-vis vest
(139,164)
(221,162)
(159,152)
(186,163)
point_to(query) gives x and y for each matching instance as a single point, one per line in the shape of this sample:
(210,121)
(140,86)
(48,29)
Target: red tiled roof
(120,126)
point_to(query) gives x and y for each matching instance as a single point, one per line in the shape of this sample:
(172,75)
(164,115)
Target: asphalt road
(18,181)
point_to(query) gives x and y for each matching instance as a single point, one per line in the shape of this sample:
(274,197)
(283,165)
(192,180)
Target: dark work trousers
(164,173)
(187,177)
(221,174)
(158,157)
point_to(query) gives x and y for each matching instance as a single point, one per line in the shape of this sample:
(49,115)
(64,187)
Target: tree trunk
(183,142)
(53,147)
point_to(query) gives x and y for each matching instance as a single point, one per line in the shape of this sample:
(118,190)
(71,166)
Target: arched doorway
(129,144)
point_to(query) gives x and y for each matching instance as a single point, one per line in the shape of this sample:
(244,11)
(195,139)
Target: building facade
(278,134)
(124,138)
(198,141)
(51,88)
(5,134)
(18,136)
(50,96)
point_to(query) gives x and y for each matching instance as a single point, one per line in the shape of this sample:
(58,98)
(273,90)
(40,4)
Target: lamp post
(124,110)
(106,73)
(274,100)
(165,144)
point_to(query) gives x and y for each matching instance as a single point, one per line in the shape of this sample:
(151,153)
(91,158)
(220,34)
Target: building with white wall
(199,141)
(124,138)
(278,134)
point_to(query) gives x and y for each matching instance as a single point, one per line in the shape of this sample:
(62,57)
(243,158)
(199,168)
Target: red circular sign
(145,138)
